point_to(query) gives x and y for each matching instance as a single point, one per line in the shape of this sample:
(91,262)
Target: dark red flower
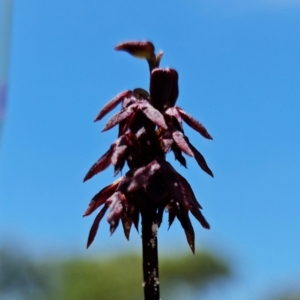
(150,126)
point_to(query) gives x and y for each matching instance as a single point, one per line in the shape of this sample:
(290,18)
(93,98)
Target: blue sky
(239,72)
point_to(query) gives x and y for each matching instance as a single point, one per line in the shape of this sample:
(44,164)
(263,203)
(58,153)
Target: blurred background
(239,73)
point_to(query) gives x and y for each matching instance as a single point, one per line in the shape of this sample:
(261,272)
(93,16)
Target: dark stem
(150,254)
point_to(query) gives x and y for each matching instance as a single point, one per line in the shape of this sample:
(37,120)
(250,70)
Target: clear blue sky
(239,68)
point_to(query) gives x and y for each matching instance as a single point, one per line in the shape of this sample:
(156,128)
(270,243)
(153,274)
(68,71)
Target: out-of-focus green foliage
(121,277)
(118,277)
(22,278)
(195,270)
(288,296)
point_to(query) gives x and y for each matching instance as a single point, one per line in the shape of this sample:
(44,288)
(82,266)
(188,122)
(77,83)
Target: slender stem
(150,254)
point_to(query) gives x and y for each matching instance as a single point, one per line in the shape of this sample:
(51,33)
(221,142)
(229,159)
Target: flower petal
(113,226)
(172,212)
(178,156)
(198,215)
(135,216)
(181,142)
(123,127)
(120,116)
(175,188)
(162,207)
(126,145)
(167,144)
(142,176)
(201,161)
(137,121)
(101,197)
(173,112)
(112,104)
(95,226)
(120,154)
(101,164)
(186,224)
(116,210)
(193,123)
(160,213)
(153,114)
(126,222)
(188,190)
